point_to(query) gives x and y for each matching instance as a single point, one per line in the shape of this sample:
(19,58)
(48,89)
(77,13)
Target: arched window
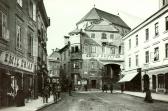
(104,36)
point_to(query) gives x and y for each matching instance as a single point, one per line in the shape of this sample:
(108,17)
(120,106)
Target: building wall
(147,45)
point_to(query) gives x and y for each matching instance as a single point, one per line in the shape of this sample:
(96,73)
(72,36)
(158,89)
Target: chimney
(66,40)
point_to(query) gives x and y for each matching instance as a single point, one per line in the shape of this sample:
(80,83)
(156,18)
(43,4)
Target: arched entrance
(111,75)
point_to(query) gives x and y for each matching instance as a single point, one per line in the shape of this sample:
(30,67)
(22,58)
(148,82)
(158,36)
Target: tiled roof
(106,28)
(96,14)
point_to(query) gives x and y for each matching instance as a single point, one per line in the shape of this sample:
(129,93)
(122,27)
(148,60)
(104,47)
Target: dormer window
(104,36)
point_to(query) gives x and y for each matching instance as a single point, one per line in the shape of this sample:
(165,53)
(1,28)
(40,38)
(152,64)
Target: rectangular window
(18,37)
(129,62)
(76,49)
(3,25)
(166,22)
(129,43)
(156,54)
(156,29)
(136,40)
(93,49)
(166,50)
(163,2)
(137,60)
(20,2)
(30,44)
(104,36)
(147,34)
(112,36)
(72,49)
(147,57)
(113,50)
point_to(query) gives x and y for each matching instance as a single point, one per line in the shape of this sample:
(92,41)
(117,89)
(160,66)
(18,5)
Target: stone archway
(111,75)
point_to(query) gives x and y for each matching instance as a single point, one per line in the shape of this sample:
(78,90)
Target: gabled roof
(96,14)
(103,28)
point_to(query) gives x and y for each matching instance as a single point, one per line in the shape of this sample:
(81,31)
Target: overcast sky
(64,14)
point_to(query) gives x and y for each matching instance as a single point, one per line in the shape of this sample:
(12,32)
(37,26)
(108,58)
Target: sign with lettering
(13,60)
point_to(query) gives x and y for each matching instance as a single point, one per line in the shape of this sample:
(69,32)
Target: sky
(64,14)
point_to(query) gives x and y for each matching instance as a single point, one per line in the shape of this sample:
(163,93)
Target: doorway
(93,83)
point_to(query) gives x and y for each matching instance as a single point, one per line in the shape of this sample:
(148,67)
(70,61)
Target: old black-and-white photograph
(83,55)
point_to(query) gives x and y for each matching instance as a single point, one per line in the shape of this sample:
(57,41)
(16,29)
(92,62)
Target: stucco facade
(145,47)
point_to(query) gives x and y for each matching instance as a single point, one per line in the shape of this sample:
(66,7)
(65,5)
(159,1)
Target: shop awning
(128,77)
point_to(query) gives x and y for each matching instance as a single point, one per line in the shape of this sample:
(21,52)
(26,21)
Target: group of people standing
(105,88)
(55,89)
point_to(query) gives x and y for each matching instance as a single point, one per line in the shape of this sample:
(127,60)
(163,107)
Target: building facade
(146,49)
(65,69)
(96,49)
(18,33)
(43,22)
(54,62)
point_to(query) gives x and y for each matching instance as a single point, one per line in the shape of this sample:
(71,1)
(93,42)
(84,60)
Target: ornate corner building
(96,49)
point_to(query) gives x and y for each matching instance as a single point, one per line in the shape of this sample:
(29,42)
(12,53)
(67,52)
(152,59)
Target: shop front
(158,78)
(16,74)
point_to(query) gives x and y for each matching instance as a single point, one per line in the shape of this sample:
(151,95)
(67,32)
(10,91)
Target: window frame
(156,53)
(166,50)
(166,23)
(104,36)
(156,28)
(129,62)
(137,60)
(18,38)
(147,34)
(129,43)
(137,42)
(146,56)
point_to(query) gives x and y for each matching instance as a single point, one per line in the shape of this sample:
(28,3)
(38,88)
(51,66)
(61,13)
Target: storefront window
(160,81)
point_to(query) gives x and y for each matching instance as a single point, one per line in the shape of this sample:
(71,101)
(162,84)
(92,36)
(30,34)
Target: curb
(46,105)
(143,97)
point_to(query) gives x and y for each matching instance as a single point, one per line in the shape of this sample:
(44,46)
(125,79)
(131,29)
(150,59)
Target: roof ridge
(106,12)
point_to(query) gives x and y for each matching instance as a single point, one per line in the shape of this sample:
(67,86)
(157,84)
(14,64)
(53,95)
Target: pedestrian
(59,91)
(70,88)
(20,97)
(45,94)
(55,92)
(111,87)
(122,88)
(105,87)
(85,86)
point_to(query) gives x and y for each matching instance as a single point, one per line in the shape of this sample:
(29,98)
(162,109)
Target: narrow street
(99,101)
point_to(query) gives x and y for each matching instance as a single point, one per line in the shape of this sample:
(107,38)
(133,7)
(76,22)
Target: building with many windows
(146,52)
(54,62)
(96,49)
(18,48)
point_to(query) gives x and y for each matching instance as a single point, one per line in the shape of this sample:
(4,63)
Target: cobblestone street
(105,102)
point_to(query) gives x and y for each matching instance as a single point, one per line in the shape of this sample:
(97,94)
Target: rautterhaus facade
(146,48)
(96,49)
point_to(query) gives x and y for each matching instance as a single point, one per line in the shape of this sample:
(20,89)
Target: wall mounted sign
(10,59)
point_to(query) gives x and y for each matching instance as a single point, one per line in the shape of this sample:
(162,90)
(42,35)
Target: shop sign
(13,60)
